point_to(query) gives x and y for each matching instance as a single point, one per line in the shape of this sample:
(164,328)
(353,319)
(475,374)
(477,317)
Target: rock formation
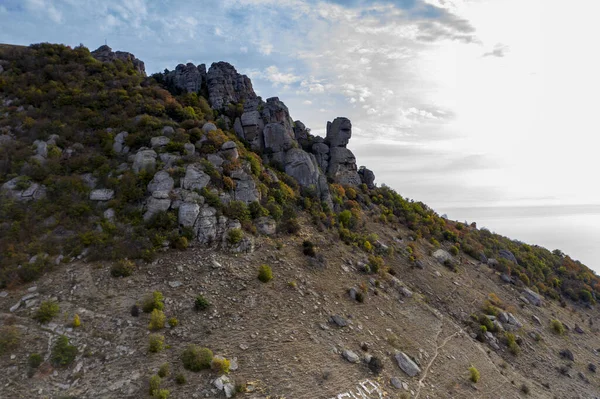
(105,54)
(226,86)
(188,78)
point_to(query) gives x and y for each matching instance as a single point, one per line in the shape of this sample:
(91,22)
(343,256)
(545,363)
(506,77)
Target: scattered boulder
(209,127)
(266,225)
(21,189)
(188,78)
(442,255)
(102,194)
(533,297)
(195,178)
(159,141)
(406,364)
(339,321)
(144,160)
(350,356)
(506,254)
(188,213)
(567,354)
(162,181)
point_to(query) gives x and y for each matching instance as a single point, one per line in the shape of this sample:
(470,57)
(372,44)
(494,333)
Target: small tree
(157,320)
(265,274)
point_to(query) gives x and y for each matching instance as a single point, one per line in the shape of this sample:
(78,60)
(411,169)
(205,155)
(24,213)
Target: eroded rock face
(342,166)
(162,181)
(105,54)
(226,85)
(339,132)
(195,178)
(189,77)
(245,187)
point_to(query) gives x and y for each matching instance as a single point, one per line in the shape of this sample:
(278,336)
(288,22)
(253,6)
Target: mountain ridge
(105,173)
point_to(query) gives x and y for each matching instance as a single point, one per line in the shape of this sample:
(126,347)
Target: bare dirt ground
(281,334)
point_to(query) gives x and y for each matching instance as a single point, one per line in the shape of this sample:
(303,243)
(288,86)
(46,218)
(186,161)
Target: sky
(461,104)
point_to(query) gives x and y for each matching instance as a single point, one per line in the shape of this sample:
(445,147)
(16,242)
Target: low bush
(153,301)
(35,360)
(201,303)
(511,342)
(557,327)
(9,338)
(474,374)
(156,343)
(265,274)
(76,321)
(308,248)
(234,236)
(220,365)
(195,358)
(63,353)
(180,379)
(47,311)
(162,394)
(163,371)
(157,320)
(173,322)
(123,268)
(154,385)
(454,250)
(375,263)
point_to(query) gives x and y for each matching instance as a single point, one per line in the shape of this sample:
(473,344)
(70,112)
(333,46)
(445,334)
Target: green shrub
(9,338)
(201,303)
(308,248)
(474,374)
(123,268)
(63,353)
(220,365)
(265,274)
(511,342)
(195,358)
(557,327)
(454,250)
(153,301)
(157,320)
(162,394)
(35,360)
(234,236)
(47,311)
(154,385)
(257,210)
(375,263)
(163,371)
(173,322)
(180,379)
(156,343)
(180,242)
(237,210)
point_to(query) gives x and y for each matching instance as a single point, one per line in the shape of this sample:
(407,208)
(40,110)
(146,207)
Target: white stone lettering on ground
(366,389)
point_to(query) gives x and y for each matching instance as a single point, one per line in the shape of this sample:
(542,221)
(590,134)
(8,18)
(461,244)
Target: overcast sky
(457,103)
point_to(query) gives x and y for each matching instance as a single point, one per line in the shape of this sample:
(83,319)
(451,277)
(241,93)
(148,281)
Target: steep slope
(116,185)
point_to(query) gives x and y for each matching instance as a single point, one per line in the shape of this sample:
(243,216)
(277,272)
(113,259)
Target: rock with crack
(162,181)
(119,145)
(367,177)
(188,213)
(245,187)
(158,202)
(407,365)
(195,178)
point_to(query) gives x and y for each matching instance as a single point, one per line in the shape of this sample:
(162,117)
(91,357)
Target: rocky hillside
(178,236)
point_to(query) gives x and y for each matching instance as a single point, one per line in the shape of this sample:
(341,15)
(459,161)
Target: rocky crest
(105,54)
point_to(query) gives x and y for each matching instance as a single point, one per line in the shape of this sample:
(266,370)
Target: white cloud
(265,48)
(273,74)
(307,102)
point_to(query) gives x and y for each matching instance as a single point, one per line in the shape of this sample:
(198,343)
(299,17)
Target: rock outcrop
(342,163)
(105,54)
(226,86)
(188,78)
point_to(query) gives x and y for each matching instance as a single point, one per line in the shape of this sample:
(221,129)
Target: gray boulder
(442,255)
(209,127)
(245,187)
(266,225)
(188,213)
(407,365)
(41,148)
(189,148)
(350,356)
(159,201)
(168,131)
(230,151)
(162,181)
(250,127)
(506,254)
(159,141)
(119,143)
(22,190)
(206,225)
(102,194)
(277,138)
(226,85)
(533,297)
(195,178)
(144,160)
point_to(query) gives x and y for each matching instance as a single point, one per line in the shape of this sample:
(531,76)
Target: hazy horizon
(466,105)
